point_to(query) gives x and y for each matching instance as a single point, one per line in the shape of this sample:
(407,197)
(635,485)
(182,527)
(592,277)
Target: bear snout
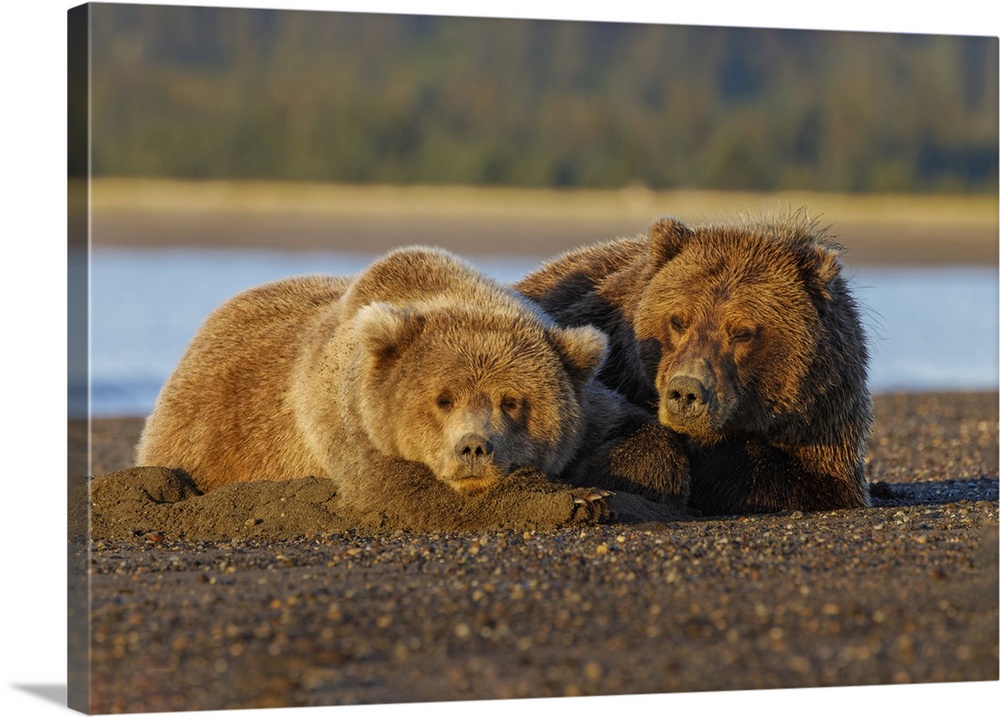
(691,403)
(687,398)
(474,452)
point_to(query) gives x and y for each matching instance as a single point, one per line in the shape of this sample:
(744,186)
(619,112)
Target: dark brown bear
(743,338)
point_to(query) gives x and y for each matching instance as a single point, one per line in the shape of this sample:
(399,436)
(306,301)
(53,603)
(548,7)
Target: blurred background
(221,93)
(235,146)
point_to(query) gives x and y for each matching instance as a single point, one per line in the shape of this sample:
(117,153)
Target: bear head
(732,322)
(474,393)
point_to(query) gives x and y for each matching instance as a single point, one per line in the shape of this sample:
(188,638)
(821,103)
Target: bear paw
(529,499)
(590,505)
(647,460)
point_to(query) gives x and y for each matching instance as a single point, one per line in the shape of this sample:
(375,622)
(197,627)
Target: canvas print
(420,358)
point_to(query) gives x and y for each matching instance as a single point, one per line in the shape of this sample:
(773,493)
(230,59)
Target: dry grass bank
(156,212)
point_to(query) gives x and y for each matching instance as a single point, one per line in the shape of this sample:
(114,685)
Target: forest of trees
(300,95)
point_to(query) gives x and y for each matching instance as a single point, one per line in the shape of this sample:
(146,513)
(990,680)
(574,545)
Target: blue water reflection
(930,328)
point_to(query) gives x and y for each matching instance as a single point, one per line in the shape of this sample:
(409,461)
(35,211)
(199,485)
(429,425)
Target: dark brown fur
(743,338)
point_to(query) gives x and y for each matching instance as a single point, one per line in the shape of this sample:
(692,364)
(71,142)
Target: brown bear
(742,337)
(434,397)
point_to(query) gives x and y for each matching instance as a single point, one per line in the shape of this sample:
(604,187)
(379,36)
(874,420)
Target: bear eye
(742,334)
(677,324)
(509,404)
(445,402)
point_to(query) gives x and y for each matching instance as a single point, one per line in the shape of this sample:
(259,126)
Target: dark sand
(903,592)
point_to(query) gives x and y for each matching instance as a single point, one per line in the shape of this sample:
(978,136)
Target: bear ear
(821,265)
(583,349)
(386,331)
(667,237)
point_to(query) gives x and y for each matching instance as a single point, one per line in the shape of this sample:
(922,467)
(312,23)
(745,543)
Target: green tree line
(350,97)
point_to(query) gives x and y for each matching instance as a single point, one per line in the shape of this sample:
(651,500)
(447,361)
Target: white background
(34,344)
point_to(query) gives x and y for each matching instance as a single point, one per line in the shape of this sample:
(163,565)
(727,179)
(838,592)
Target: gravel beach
(903,592)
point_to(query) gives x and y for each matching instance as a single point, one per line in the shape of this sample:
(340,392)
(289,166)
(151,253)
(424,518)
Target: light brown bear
(745,339)
(433,396)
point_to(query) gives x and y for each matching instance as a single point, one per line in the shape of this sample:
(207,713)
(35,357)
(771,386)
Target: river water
(930,328)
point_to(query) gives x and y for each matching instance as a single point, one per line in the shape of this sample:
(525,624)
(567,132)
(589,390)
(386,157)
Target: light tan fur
(378,382)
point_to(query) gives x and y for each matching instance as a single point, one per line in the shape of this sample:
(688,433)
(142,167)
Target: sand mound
(158,501)
(155,502)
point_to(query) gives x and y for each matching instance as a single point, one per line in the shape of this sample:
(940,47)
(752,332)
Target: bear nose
(473,449)
(687,397)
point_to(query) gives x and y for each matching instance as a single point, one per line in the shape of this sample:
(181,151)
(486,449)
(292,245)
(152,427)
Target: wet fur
(759,310)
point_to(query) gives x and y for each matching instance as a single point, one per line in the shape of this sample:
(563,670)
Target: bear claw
(590,495)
